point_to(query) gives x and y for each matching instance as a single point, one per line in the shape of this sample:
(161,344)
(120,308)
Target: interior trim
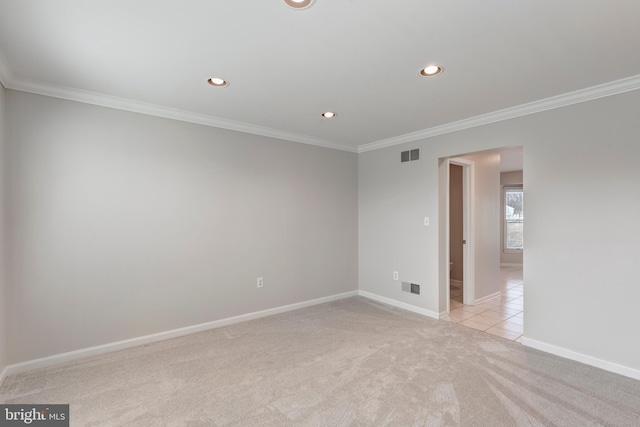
(487,298)
(9,81)
(125,104)
(582,358)
(3,375)
(398,304)
(71,356)
(600,91)
(147,339)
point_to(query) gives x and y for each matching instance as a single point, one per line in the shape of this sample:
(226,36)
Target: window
(513,219)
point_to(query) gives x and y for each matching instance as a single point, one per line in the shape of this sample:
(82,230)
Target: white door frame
(468,232)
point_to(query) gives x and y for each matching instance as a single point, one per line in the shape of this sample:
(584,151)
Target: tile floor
(501,316)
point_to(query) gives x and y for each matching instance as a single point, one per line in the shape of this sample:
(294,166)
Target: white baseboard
(510,264)
(582,358)
(3,375)
(487,298)
(147,339)
(161,336)
(399,304)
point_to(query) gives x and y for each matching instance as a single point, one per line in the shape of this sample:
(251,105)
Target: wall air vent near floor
(411,287)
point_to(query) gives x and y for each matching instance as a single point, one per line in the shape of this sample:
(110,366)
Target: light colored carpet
(347,363)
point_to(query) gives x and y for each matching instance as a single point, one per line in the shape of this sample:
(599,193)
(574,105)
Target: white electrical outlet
(260,282)
(396,276)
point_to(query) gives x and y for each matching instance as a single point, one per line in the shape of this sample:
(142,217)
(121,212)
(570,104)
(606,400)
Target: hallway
(502,316)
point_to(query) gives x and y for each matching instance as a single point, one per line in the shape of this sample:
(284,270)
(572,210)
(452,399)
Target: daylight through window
(513,218)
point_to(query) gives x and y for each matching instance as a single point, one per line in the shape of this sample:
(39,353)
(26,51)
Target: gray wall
(394,198)
(3,276)
(506,179)
(123,225)
(486,200)
(581,178)
(393,201)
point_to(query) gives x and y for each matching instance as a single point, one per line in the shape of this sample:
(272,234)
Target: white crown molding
(578,96)
(9,81)
(158,111)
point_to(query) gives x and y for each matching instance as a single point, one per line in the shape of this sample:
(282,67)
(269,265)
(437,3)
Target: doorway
(456,233)
(460,275)
(493,275)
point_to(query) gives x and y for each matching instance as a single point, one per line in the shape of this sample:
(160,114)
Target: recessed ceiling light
(298,4)
(431,70)
(329,114)
(218,82)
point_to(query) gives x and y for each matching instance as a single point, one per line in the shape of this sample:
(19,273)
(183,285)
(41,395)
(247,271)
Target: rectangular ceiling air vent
(410,155)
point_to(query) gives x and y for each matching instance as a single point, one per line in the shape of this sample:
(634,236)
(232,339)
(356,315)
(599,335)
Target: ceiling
(359,58)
